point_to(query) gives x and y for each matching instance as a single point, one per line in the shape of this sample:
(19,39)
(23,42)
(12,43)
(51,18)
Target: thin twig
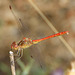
(52,27)
(12,63)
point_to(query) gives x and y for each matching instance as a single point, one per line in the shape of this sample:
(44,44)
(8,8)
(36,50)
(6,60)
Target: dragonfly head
(14,46)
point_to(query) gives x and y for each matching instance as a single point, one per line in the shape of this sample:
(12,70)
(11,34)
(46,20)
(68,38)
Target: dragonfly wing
(36,54)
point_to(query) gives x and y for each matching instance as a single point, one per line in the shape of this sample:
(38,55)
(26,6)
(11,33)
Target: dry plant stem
(52,27)
(12,63)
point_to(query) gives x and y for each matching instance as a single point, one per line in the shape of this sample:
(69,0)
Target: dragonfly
(27,42)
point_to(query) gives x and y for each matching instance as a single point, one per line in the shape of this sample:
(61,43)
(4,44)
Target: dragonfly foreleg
(19,53)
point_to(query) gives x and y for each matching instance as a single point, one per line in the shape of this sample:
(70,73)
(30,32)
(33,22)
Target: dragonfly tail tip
(67,32)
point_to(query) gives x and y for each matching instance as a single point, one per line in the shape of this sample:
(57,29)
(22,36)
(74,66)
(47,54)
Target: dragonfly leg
(17,53)
(20,54)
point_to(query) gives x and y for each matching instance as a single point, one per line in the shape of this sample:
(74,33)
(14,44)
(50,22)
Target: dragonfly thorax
(25,43)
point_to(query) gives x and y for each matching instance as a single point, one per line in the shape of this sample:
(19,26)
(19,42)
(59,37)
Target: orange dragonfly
(27,42)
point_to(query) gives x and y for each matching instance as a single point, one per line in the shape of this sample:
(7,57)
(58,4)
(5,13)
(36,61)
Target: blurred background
(44,58)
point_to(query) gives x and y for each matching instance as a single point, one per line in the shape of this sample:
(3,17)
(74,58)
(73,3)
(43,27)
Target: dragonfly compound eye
(14,45)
